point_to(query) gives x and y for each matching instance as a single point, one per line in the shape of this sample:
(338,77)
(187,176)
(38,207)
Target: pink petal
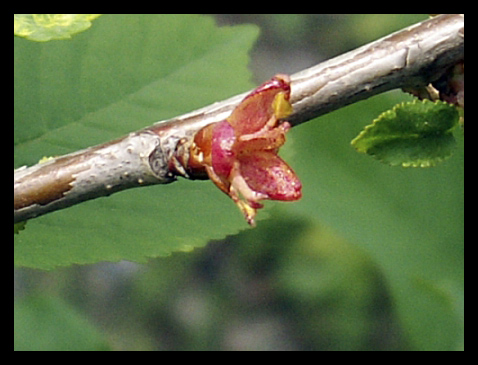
(256,109)
(223,139)
(266,173)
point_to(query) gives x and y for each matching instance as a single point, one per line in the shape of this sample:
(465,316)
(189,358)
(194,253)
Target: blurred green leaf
(410,222)
(49,324)
(127,73)
(416,134)
(46,27)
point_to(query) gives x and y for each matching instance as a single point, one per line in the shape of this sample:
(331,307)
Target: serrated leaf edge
(431,163)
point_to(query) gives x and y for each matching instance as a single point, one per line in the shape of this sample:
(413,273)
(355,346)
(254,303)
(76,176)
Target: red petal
(256,109)
(266,173)
(223,139)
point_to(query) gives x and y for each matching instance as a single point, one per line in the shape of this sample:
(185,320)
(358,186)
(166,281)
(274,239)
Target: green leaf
(49,324)
(128,73)
(46,27)
(416,134)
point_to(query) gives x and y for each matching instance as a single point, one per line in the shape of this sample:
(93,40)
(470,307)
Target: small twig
(412,57)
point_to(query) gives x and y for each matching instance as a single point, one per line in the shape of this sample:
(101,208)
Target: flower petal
(267,174)
(239,154)
(223,139)
(253,113)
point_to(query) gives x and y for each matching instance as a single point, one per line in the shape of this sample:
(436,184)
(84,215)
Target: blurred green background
(370,259)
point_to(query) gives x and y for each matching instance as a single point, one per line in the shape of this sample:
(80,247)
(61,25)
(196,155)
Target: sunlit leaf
(47,27)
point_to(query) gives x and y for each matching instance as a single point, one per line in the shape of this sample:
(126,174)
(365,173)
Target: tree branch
(412,57)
